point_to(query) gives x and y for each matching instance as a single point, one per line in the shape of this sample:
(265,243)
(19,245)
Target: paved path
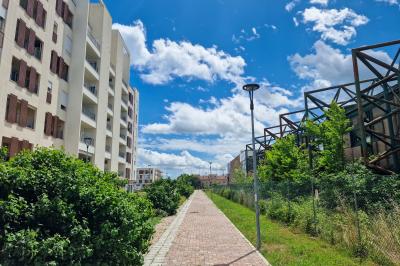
(202,235)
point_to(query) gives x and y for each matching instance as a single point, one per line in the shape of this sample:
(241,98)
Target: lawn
(282,246)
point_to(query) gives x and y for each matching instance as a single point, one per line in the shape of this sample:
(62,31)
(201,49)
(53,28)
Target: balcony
(110,109)
(93,42)
(92,70)
(124,104)
(90,91)
(89,113)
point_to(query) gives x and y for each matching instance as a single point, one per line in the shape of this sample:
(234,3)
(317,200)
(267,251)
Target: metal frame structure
(379,90)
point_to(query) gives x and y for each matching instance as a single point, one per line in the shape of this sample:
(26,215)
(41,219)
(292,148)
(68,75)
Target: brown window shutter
(61,67)
(48,124)
(55,126)
(59,6)
(39,14)
(44,16)
(54,62)
(128,157)
(5,3)
(128,173)
(14,146)
(48,97)
(23,118)
(25,145)
(31,42)
(129,142)
(22,73)
(29,7)
(12,108)
(33,81)
(21,33)
(65,13)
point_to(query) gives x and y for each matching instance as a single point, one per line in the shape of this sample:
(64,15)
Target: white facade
(146,176)
(65,74)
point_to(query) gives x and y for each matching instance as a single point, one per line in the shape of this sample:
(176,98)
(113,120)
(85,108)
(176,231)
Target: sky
(190,59)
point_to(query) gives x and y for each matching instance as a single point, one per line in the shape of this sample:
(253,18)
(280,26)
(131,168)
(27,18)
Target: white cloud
(228,117)
(168,59)
(291,5)
(320,2)
(390,2)
(329,66)
(175,164)
(248,36)
(335,25)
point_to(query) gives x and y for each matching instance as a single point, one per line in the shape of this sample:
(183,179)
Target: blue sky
(190,58)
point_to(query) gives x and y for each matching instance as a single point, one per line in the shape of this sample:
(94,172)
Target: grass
(282,246)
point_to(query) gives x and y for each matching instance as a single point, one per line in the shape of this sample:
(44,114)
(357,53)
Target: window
(49,92)
(14,70)
(63,100)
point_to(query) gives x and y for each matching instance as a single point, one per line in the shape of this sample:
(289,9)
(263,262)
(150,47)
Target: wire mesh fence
(330,211)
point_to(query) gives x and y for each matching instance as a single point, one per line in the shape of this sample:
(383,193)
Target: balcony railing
(91,88)
(89,113)
(110,106)
(109,127)
(125,101)
(93,64)
(124,118)
(122,155)
(108,148)
(123,136)
(125,83)
(93,39)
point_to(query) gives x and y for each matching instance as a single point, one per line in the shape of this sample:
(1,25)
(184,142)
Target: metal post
(255,173)
(87,153)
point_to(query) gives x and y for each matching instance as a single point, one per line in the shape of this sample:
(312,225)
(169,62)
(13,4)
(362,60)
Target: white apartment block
(146,176)
(65,82)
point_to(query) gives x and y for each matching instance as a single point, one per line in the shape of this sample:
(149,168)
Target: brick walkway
(203,235)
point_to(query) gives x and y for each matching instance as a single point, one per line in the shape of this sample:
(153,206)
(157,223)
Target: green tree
(192,180)
(56,209)
(328,136)
(240,177)
(184,185)
(164,196)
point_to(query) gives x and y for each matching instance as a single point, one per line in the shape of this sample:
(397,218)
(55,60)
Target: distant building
(145,177)
(208,180)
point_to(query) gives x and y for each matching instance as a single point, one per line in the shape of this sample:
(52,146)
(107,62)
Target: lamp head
(88,141)
(251,87)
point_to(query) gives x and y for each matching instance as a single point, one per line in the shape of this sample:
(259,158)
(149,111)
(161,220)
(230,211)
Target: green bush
(184,188)
(56,209)
(163,195)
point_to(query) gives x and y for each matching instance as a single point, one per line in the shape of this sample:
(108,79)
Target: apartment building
(146,176)
(65,82)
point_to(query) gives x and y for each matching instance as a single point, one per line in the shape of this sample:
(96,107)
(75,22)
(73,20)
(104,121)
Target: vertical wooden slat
(23,117)
(55,126)
(12,108)
(29,7)
(60,67)
(31,42)
(59,6)
(54,62)
(128,173)
(48,124)
(33,81)
(129,142)
(48,97)
(65,12)
(14,146)
(22,73)
(39,14)
(21,33)
(25,145)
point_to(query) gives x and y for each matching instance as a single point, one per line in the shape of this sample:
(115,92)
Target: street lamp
(88,142)
(251,88)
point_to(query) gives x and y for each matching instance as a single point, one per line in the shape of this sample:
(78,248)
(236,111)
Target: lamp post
(250,88)
(210,172)
(88,142)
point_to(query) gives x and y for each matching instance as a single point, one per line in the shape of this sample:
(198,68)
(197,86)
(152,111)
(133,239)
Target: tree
(163,195)
(329,137)
(240,177)
(184,185)
(56,209)
(192,180)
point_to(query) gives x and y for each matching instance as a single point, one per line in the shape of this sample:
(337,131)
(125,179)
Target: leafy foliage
(329,137)
(285,161)
(56,209)
(192,180)
(164,196)
(240,177)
